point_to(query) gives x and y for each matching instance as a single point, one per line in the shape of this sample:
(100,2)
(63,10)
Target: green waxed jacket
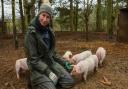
(41,61)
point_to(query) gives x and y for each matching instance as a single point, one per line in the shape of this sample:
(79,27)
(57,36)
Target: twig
(105,81)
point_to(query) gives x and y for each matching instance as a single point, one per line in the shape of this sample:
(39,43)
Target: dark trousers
(63,83)
(65,80)
(45,85)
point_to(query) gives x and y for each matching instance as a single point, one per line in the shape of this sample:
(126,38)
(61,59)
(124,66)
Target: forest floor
(115,67)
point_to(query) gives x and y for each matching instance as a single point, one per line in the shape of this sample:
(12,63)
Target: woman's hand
(53,77)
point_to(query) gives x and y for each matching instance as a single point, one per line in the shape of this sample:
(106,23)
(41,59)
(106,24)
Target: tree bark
(22,17)
(127,3)
(14,25)
(71,16)
(28,6)
(87,12)
(2,4)
(98,16)
(109,18)
(76,15)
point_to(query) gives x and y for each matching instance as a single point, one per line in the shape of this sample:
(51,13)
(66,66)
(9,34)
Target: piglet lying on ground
(101,53)
(86,66)
(67,56)
(21,66)
(81,56)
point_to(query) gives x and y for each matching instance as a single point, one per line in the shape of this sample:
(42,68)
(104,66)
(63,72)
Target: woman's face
(44,18)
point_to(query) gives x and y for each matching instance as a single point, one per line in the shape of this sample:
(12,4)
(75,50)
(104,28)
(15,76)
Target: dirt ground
(115,67)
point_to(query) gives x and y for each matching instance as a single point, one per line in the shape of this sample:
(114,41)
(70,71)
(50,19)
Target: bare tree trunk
(2,4)
(33,11)
(86,26)
(109,18)
(127,3)
(25,14)
(60,15)
(71,16)
(76,15)
(87,12)
(98,16)
(39,4)
(14,25)
(28,6)
(22,17)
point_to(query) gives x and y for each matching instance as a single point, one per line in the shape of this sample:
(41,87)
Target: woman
(47,70)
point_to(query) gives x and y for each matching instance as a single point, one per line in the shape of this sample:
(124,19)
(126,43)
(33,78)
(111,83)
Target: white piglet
(86,66)
(21,66)
(67,55)
(101,54)
(81,56)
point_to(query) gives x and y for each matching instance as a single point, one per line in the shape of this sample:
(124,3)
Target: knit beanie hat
(45,8)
